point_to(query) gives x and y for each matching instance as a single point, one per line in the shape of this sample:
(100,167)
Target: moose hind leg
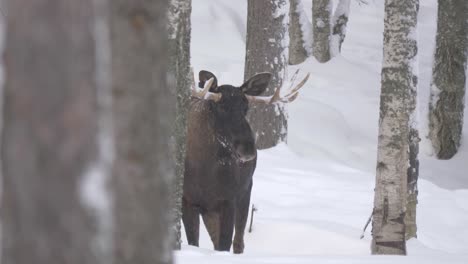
(226,226)
(242,212)
(191,219)
(212,221)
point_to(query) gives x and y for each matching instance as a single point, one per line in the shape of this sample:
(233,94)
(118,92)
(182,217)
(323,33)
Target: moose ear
(257,84)
(204,76)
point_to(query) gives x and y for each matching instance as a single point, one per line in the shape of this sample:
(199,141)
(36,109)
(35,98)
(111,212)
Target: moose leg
(242,212)
(226,225)
(211,220)
(191,219)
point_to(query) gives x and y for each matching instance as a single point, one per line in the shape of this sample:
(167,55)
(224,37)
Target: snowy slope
(315,194)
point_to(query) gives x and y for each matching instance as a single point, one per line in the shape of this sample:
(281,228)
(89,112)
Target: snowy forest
(233,131)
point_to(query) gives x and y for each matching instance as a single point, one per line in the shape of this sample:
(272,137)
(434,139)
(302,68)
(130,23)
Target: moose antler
(205,92)
(276,98)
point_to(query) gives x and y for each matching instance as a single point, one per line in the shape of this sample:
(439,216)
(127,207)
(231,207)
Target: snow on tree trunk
(321,29)
(449,78)
(267,51)
(144,112)
(297,50)
(340,19)
(179,52)
(50,132)
(396,111)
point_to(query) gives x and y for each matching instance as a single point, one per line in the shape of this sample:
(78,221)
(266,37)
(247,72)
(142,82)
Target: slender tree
(49,133)
(297,50)
(449,78)
(396,111)
(339,22)
(179,52)
(321,29)
(143,116)
(266,51)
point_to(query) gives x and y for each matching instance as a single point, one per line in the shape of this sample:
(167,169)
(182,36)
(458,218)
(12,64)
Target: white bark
(297,50)
(339,22)
(396,108)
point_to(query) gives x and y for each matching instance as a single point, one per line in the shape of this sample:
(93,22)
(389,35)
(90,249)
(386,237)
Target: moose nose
(245,153)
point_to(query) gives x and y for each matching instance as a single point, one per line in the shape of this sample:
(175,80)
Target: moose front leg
(226,225)
(191,220)
(242,212)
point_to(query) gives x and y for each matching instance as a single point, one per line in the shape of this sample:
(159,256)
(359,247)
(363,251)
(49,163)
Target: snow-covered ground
(315,194)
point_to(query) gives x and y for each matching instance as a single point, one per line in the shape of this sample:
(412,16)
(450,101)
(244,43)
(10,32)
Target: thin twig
(365,227)
(254,209)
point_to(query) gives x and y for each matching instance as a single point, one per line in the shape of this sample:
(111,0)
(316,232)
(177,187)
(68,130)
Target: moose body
(220,160)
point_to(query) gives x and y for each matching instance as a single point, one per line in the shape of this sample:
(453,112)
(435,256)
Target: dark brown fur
(220,162)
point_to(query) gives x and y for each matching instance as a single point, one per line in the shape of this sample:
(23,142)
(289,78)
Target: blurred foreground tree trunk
(266,51)
(447,100)
(181,77)
(297,50)
(49,133)
(397,102)
(143,119)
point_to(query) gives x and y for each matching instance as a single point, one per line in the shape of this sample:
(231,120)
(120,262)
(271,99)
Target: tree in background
(143,112)
(339,22)
(50,133)
(179,52)
(321,29)
(267,51)
(297,51)
(449,78)
(397,103)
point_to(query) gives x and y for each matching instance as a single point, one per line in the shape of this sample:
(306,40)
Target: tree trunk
(179,52)
(396,110)
(143,119)
(49,133)
(412,181)
(340,20)
(267,51)
(448,78)
(297,50)
(321,29)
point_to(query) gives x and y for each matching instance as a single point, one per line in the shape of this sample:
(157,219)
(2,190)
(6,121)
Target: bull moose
(221,157)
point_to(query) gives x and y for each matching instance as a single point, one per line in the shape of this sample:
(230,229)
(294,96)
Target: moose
(221,157)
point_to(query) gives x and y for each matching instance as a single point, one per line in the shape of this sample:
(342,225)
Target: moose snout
(246,152)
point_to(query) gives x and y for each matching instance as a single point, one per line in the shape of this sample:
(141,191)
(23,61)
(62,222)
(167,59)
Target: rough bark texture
(321,29)
(398,89)
(340,20)
(412,181)
(181,76)
(49,132)
(297,51)
(143,119)
(267,38)
(449,78)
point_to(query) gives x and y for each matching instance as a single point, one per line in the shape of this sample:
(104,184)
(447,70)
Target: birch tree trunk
(179,52)
(49,133)
(340,20)
(321,29)
(143,119)
(449,78)
(396,111)
(267,51)
(297,50)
